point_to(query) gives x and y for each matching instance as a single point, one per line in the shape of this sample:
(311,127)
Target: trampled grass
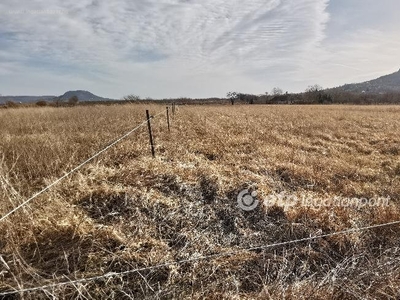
(126,210)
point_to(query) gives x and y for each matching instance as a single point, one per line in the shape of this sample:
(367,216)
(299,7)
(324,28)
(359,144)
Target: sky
(193,48)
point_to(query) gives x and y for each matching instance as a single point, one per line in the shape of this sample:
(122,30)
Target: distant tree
(276,91)
(132,98)
(41,103)
(185,99)
(233,96)
(252,99)
(314,88)
(73,100)
(58,101)
(265,97)
(247,98)
(316,94)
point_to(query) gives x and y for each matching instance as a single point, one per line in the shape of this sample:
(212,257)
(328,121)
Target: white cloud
(164,48)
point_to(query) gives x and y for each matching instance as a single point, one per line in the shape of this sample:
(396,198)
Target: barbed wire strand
(189,260)
(77,168)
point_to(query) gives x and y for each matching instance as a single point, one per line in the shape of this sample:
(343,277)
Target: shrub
(41,103)
(73,100)
(11,104)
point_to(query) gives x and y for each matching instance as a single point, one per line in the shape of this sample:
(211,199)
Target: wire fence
(194,259)
(26,202)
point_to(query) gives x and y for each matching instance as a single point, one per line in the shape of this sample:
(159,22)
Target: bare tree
(131,98)
(233,96)
(314,88)
(316,94)
(276,91)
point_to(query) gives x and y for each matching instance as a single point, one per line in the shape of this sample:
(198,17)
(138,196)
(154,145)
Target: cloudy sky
(195,48)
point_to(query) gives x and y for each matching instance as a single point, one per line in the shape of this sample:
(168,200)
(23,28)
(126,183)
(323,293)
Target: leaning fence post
(168,119)
(150,133)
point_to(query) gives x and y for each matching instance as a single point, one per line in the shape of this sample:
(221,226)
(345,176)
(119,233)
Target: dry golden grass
(126,210)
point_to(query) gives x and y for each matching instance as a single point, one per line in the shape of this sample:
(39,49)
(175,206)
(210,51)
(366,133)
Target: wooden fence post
(150,133)
(168,119)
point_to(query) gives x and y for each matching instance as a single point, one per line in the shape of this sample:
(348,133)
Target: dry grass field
(126,210)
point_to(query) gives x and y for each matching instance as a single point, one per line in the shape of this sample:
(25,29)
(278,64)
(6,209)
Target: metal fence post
(150,133)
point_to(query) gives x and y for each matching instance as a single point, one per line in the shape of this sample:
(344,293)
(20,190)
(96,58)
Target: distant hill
(385,84)
(83,96)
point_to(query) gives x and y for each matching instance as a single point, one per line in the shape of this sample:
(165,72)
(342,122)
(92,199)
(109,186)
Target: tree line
(314,94)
